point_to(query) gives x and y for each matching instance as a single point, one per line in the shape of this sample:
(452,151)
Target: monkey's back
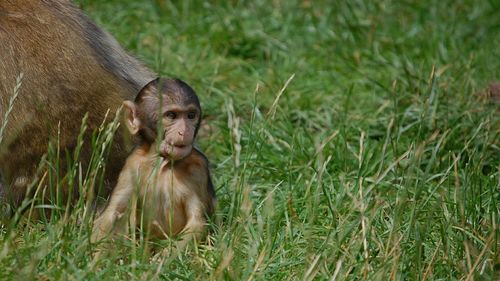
(70,67)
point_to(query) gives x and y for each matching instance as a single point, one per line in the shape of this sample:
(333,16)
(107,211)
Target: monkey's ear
(131,119)
(149,89)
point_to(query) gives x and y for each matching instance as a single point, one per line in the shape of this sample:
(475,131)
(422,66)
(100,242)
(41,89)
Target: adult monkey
(70,67)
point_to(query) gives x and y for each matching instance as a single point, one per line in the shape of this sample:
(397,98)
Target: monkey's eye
(191,115)
(171,115)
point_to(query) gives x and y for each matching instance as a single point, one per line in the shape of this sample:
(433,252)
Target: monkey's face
(172,104)
(179,124)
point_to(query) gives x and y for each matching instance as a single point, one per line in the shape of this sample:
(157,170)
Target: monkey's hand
(103,225)
(117,207)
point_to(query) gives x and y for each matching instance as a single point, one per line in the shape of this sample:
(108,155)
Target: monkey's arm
(195,224)
(199,205)
(207,191)
(118,204)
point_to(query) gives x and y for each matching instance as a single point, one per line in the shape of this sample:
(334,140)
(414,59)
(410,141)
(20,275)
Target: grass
(347,139)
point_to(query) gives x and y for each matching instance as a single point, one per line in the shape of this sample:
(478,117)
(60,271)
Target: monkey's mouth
(175,151)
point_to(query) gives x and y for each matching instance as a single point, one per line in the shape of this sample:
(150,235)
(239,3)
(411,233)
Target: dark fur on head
(171,91)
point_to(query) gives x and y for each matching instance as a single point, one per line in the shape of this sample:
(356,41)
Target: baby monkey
(165,185)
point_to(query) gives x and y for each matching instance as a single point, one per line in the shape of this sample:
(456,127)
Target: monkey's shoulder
(199,159)
(137,159)
(195,165)
(203,167)
(193,170)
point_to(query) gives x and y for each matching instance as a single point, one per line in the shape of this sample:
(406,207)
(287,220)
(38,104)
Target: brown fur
(171,196)
(174,200)
(70,67)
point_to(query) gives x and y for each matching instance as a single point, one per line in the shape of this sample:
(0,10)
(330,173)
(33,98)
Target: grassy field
(349,140)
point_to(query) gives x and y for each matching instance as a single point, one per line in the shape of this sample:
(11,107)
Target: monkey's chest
(164,206)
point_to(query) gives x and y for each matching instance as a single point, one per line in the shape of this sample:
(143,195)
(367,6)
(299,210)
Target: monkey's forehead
(168,98)
(179,99)
(167,105)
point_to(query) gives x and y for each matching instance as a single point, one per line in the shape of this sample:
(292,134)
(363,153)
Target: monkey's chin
(175,152)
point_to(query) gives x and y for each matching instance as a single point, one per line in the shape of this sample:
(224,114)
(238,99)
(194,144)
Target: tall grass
(376,161)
